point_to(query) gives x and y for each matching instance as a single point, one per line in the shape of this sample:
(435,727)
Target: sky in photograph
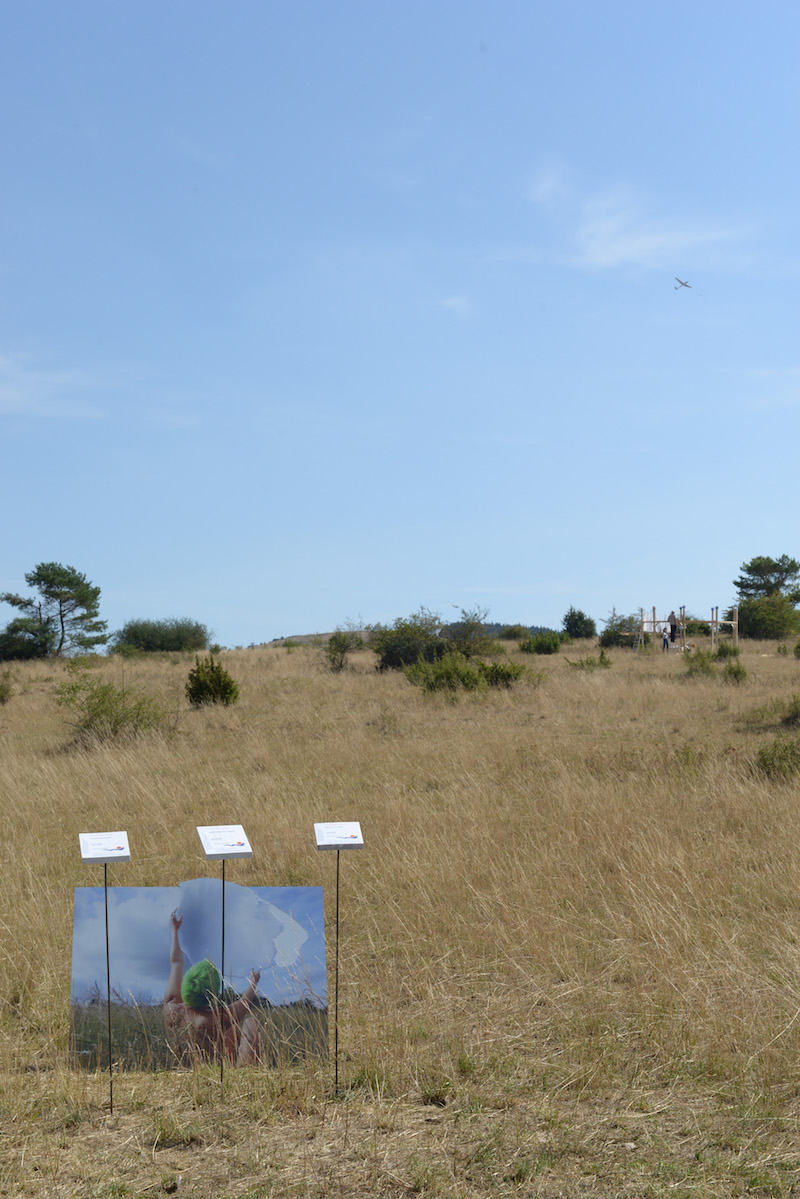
(320,312)
(277,930)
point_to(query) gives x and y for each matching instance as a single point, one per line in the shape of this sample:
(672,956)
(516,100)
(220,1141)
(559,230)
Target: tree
(768,618)
(762,577)
(619,630)
(577,624)
(173,635)
(64,616)
(469,635)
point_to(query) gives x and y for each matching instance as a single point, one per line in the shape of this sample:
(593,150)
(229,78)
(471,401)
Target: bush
(210,683)
(407,640)
(22,641)
(734,672)
(726,649)
(697,628)
(104,712)
(174,635)
(470,635)
(338,646)
(780,760)
(514,632)
(769,617)
(6,686)
(619,630)
(578,625)
(502,674)
(791,713)
(796,650)
(542,643)
(450,673)
(600,663)
(699,663)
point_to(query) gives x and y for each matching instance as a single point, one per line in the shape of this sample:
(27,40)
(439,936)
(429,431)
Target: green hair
(201,985)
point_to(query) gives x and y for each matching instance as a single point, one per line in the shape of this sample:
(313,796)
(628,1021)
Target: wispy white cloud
(459,305)
(73,394)
(779,388)
(616,226)
(549,185)
(613,231)
(27,390)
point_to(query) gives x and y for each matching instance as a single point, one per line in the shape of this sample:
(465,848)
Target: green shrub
(6,686)
(699,663)
(796,650)
(450,673)
(542,643)
(210,683)
(726,649)
(790,717)
(578,625)
(101,711)
(781,759)
(338,646)
(514,632)
(470,635)
(407,640)
(502,674)
(734,672)
(603,662)
(620,630)
(768,617)
(173,635)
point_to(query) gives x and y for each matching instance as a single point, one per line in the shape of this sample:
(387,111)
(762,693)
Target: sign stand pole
(336,998)
(104,848)
(108,1000)
(338,835)
(222,996)
(222,841)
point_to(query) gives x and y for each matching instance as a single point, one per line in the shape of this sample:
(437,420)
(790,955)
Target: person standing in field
(197,1020)
(673,625)
(665,633)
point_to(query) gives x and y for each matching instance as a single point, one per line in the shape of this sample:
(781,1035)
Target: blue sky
(277,930)
(321,312)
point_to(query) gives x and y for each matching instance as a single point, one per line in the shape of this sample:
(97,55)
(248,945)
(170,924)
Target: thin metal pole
(336,1000)
(222,996)
(108,1005)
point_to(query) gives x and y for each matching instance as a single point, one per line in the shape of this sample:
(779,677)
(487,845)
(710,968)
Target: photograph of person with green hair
(197,1019)
(169,1006)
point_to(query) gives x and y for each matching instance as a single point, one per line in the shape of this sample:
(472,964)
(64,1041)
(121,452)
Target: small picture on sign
(339,834)
(169,1003)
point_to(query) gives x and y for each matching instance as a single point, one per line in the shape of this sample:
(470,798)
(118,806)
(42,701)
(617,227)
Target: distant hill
(493,629)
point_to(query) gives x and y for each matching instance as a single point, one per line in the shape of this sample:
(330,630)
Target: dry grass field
(569,951)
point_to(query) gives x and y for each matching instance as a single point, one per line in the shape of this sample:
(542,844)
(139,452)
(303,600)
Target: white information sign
(104,847)
(224,841)
(339,834)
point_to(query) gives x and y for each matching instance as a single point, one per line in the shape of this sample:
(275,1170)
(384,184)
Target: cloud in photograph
(277,930)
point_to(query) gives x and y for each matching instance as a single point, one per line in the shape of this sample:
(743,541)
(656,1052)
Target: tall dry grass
(571,893)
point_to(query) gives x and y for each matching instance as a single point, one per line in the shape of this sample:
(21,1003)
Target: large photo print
(170,1004)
